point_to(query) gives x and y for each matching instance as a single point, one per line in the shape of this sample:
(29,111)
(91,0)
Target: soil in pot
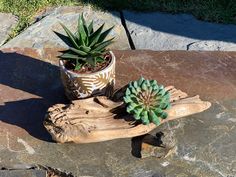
(87,69)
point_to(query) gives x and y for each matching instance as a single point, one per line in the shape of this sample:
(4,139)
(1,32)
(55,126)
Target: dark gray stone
(8,21)
(40,35)
(22,173)
(160,31)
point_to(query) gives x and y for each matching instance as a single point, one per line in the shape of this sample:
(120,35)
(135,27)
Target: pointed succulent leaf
(79,52)
(64,38)
(93,38)
(78,65)
(104,34)
(99,59)
(70,35)
(81,28)
(86,45)
(85,48)
(70,56)
(103,45)
(90,28)
(91,61)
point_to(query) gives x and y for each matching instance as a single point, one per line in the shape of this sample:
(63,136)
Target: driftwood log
(100,119)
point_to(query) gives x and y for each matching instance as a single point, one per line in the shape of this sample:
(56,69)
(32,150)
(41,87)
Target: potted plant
(87,67)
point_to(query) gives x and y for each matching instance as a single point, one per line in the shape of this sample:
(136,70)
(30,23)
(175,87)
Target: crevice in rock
(188,45)
(123,22)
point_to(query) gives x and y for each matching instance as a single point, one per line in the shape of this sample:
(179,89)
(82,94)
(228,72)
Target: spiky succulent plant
(147,100)
(86,46)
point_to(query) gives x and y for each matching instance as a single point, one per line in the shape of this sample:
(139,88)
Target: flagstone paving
(154,31)
(160,31)
(30,83)
(7,22)
(40,34)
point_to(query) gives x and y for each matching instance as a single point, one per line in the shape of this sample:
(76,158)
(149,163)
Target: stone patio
(153,31)
(8,22)
(30,83)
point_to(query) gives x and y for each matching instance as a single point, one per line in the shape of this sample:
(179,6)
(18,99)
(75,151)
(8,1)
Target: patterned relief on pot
(81,86)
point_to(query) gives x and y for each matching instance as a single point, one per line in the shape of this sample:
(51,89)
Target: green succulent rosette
(147,101)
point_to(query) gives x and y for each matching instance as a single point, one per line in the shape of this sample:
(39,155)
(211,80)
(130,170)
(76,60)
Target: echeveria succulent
(147,100)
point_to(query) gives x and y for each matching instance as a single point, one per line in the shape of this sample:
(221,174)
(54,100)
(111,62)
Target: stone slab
(40,34)
(29,84)
(160,31)
(7,22)
(22,173)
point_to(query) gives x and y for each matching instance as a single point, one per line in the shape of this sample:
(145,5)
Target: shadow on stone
(148,139)
(158,146)
(41,86)
(185,25)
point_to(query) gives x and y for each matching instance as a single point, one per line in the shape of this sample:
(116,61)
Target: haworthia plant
(147,101)
(87,46)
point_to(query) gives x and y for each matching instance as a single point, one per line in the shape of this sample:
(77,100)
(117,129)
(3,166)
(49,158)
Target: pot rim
(62,66)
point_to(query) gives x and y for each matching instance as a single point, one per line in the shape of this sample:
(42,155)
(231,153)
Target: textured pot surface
(84,85)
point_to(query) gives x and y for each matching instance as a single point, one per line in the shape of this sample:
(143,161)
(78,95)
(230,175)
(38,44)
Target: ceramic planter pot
(79,86)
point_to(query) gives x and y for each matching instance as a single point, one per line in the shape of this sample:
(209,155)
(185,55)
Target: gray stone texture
(40,34)
(7,22)
(22,173)
(160,31)
(205,142)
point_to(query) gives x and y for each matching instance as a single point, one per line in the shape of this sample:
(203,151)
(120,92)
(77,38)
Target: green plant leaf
(144,118)
(64,38)
(127,99)
(90,28)
(127,92)
(103,45)
(104,35)
(70,35)
(79,52)
(71,56)
(93,38)
(78,65)
(144,86)
(162,92)
(130,109)
(158,111)
(137,113)
(135,83)
(99,59)
(164,115)
(140,81)
(154,118)
(85,48)
(81,30)
(91,61)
